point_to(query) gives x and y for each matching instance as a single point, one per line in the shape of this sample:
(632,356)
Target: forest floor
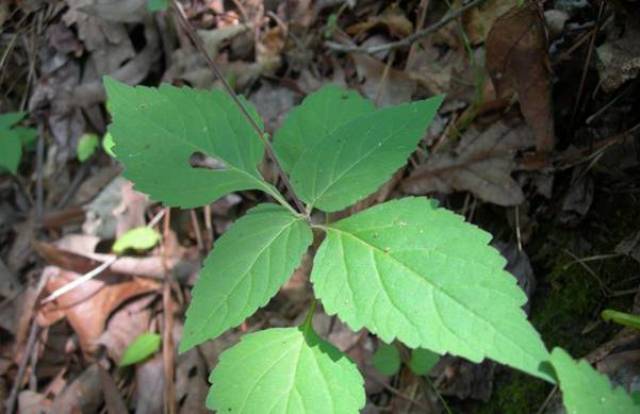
(537,142)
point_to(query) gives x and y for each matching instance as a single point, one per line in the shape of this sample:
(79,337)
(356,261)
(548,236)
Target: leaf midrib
(434,287)
(245,273)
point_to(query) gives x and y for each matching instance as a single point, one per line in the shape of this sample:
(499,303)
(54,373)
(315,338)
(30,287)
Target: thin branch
(93,273)
(407,41)
(197,41)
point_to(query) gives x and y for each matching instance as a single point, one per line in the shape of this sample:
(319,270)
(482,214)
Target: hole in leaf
(201,160)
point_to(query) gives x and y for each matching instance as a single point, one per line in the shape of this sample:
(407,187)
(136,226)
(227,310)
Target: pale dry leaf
(31,402)
(150,386)
(393,88)
(481,164)
(517,61)
(88,306)
(619,60)
(191,382)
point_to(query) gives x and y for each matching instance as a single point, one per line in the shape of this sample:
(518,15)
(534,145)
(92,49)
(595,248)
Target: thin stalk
(197,41)
(307,325)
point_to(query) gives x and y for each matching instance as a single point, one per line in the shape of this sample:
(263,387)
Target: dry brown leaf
(391,88)
(114,402)
(478,20)
(482,164)
(517,61)
(88,306)
(83,395)
(393,18)
(126,324)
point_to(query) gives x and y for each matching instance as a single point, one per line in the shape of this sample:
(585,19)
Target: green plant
(12,140)
(406,269)
(140,349)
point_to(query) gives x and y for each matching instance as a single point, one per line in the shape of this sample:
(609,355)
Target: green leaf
(87,146)
(157,131)
(10,151)
(406,269)
(27,135)
(11,118)
(358,157)
(386,359)
(422,361)
(586,391)
(108,144)
(621,318)
(250,262)
(140,349)
(157,5)
(319,115)
(288,371)
(140,238)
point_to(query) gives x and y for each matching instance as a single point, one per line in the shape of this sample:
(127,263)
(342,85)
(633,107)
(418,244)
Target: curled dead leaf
(517,61)
(88,307)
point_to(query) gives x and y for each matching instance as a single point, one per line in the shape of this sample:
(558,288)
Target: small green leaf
(157,5)
(586,391)
(386,359)
(11,118)
(108,144)
(139,239)
(422,361)
(10,151)
(140,349)
(356,158)
(157,131)
(12,140)
(621,318)
(406,269)
(87,146)
(319,115)
(250,262)
(285,370)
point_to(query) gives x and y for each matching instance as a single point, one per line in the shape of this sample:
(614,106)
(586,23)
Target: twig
(13,397)
(197,41)
(167,337)
(196,228)
(26,356)
(39,172)
(407,41)
(93,273)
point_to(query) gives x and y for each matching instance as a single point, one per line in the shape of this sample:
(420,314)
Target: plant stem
(197,41)
(308,320)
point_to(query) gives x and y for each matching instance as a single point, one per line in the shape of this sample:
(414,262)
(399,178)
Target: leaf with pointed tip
(406,269)
(586,391)
(157,130)
(248,265)
(321,113)
(288,371)
(358,157)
